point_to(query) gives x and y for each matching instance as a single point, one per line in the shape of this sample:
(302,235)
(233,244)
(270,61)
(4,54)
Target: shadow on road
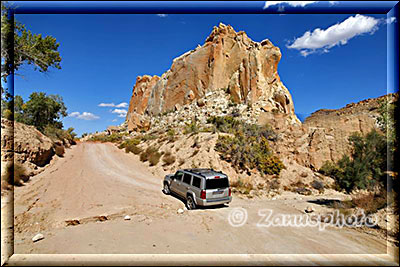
(221,206)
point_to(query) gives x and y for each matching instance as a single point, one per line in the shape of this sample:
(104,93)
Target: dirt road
(95,180)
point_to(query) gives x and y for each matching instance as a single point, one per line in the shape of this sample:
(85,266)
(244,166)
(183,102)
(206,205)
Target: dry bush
(145,155)
(151,154)
(168,158)
(300,188)
(242,187)
(195,153)
(154,158)
(369,202)
(132,147)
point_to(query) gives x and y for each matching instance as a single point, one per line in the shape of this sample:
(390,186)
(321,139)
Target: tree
(18,109)
(41,110)
(28,48)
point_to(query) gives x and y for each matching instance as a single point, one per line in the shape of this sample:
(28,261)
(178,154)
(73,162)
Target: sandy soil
(94,180)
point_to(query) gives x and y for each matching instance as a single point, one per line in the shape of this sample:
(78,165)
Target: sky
(328,60)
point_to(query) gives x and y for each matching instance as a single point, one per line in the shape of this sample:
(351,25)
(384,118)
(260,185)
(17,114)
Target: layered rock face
(324,135)
(24,144)
(229,61)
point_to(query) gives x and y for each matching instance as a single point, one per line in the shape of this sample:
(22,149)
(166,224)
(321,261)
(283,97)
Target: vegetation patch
(365,168)
(131,145)
(151,154)
(240,186)
(191,128)
(113,138)
(168,158)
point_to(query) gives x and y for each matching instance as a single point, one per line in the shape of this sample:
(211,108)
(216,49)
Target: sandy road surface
(99,179)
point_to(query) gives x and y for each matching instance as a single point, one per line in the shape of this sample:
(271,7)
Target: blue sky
(103,55)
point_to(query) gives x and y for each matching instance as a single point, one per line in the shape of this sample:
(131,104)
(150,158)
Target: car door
(176,182)
(186,181)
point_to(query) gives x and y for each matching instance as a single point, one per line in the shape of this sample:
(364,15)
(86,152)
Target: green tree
(366,166)
(31,49)
(18,109)
(42,110)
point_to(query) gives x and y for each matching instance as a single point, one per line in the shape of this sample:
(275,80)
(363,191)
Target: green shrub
(130,145)
(148,137)
(329,168)
(55,133)
(171,135)
(248,152)
(248,148)
(228,124)
(191,128)
(366,166)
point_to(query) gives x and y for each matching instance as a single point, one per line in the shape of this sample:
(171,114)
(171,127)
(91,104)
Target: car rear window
(217,183)
(196,181)
(186,178)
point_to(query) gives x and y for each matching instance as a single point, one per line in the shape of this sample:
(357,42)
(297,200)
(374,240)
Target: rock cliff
(324,135)
(228,61)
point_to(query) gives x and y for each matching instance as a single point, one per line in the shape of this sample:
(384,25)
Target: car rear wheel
(167,191)
(190,203)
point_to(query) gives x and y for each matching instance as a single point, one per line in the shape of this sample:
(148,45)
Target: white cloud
(84,116)
(106,105)
(290,3)
(162,15)
(120,105)
(391,20)
(294,3)
(321,40)
(121,112)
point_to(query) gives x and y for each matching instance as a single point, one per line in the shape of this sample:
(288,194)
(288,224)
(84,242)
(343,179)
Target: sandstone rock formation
(324,135)
(228,60)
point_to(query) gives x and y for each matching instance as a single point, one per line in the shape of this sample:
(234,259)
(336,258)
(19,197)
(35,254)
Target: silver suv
(200,187)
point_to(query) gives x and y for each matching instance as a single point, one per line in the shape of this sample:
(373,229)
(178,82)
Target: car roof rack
(202,171)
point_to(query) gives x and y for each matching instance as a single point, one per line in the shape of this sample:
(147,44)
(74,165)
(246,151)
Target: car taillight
(203,194)
(229,194)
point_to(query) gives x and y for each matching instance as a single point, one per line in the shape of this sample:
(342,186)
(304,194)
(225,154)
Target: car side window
(196,181)
(178,176)
(186,178)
